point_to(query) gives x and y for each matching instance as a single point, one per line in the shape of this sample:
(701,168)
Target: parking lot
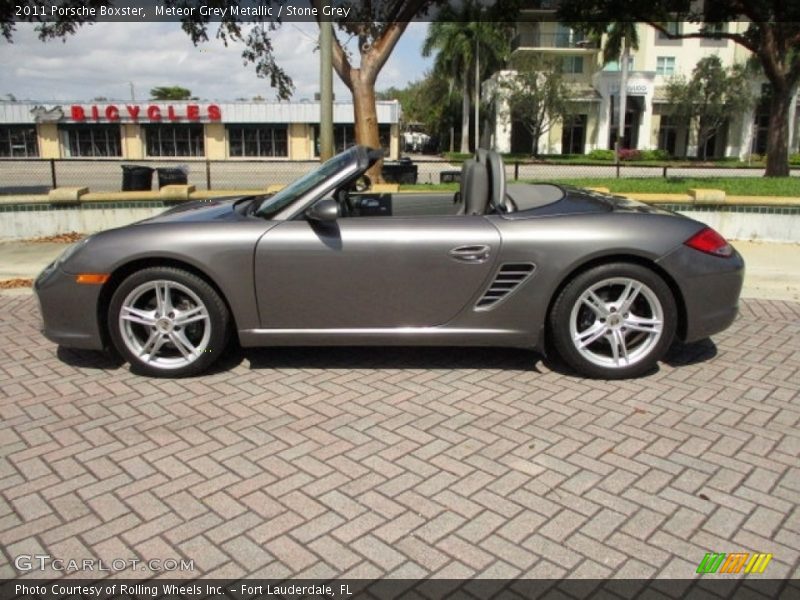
(361,463)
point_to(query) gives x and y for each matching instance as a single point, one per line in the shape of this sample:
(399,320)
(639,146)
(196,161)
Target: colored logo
(734,563)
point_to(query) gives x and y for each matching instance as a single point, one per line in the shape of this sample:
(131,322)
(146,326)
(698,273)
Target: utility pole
(325,90)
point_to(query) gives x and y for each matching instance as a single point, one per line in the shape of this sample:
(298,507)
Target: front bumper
(69,309)
(710,286)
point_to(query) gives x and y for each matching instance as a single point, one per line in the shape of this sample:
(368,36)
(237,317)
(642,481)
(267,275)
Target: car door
(372,272)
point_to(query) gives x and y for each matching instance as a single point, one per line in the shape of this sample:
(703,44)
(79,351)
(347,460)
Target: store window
(174,140)
(573,135)
(258,140)
(344,136)
(573,64)
(665,65)
(18,141)
(760,132)
(91,141)
(668,134)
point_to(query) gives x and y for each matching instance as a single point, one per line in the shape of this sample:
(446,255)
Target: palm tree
(621,38)
(467,49)
(618,38)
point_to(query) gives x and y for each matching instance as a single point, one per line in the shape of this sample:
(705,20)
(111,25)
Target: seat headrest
(474,187)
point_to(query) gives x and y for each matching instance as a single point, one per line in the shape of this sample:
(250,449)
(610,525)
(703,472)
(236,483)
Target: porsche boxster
(604,281)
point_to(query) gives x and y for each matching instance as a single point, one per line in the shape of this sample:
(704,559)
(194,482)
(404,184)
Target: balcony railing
(552,40)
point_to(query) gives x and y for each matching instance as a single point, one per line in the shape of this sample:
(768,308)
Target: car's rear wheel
(167,322)
(614,321)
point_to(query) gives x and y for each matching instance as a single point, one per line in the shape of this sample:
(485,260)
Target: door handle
(470,254)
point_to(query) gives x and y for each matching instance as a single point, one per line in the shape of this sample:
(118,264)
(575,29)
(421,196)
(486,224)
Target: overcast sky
(102,59)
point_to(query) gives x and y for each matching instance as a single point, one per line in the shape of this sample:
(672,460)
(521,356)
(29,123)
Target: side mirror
(324,210)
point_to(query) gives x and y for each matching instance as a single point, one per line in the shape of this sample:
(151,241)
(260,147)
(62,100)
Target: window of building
(18,141)
(673,28)
(91,140)
(344,136)
(573,135)
(258,140)
(760,131)
(613,65)
(665,65)
(715,28)
(174,140)
(668,134)
(573,64)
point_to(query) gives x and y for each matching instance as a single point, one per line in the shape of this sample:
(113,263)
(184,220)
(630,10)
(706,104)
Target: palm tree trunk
(465,117)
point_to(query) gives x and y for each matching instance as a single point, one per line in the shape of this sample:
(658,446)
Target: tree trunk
(366,119)
(465,118)
(702,138)
(777,134)
(535,133)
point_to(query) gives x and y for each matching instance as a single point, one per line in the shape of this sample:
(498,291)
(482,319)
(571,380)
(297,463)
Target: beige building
(648,124)
(189,130)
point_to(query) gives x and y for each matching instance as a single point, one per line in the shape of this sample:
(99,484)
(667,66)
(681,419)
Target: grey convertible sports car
(604,281)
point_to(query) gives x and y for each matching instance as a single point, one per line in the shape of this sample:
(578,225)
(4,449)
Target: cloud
(104,59)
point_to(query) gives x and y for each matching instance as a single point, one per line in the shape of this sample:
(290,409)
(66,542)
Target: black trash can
(402,171)
(449,176)
(137,178)
(172,176)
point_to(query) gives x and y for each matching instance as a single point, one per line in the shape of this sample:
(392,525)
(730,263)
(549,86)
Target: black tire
(596,340)
(163,345)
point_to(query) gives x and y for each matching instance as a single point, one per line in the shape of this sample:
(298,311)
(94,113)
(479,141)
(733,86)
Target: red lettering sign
(153,112)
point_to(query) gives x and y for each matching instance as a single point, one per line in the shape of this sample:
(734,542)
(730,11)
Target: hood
(214,209)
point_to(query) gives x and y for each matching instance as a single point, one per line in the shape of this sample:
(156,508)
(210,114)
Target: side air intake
(508,278)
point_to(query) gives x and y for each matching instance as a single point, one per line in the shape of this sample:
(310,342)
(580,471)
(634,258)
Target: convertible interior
(482,190)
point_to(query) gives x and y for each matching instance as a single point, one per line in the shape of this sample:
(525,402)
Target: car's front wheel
(614,321)
(167,322)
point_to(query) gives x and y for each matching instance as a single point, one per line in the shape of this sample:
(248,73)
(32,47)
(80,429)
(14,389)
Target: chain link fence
(36,176)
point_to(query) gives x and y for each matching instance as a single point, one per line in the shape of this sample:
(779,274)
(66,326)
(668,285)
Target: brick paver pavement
(404,462)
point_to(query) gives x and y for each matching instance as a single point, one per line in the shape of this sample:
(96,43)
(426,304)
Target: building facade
(187,130)
(648,123)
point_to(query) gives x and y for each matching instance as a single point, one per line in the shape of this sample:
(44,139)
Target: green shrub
(794,159)
(655,155)
(601,154)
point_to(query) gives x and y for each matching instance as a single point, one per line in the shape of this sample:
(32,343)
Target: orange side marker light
(92,278)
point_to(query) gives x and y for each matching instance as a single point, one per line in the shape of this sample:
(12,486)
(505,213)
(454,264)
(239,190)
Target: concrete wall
(41,223)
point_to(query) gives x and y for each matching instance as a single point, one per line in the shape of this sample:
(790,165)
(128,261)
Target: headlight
(66,254)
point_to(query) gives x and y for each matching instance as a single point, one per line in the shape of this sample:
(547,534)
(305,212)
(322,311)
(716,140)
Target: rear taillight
(709,241)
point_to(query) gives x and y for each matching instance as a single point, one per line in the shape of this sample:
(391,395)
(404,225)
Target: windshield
(274,204)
